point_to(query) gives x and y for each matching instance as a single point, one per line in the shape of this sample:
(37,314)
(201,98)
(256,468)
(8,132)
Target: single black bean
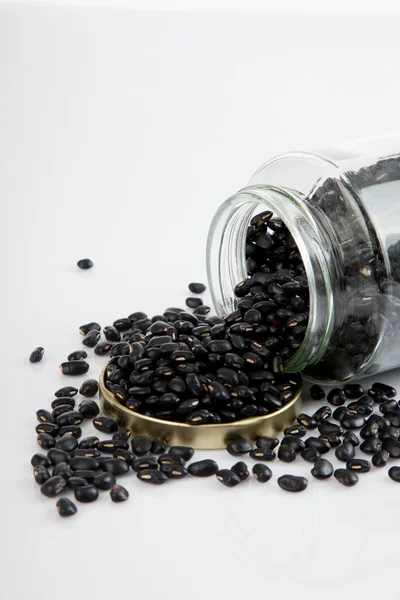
(394,474)
(262,473)
(77,355)
(74,367)
(359,465)
(316,392)
(137,316)
(41,474)
(388,390)
(198,417)
(380,458)
(104,481)
(60,410)
(89,409)
(152,476)
(292,483)
(84,263)
(84,329)
(56,456)
(122,324)
(345,452)
(353,391)
(310,454)
(184,452)
(109,446)
(296,430)
(111,334)
(322,414)
(158,446)
(294,442)
(119,493)
(307,421)
(286,453)
(89,388)
(63,401)
(68,443)
(327,427)
(267,442)
(141,445)
(46,441)
(228,477)
(392,446)
(323,446)
(74,430)
(88,452)
(66,508)
(44,416)
(193,302)
(78,463)
(353,421)
(239,446)
(322,469)
(53,486)
(88,442)
(105,424)
(74,482)
(91,338)
(72,417)
(37,355)
(67,390)
(174,471)
(264,454)
(387,406)
(117,466)
(336,397)
(40,459)
(203,468)
(241,470)
(346,477)
(144,462)
(340,412)
(197,288)
(86,493)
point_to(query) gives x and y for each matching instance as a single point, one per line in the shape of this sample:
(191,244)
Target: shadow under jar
(342,207)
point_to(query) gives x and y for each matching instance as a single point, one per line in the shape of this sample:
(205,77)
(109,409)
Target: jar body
(342,206)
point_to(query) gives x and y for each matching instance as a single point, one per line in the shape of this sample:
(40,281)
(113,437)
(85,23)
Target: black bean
(41,474)
(202,310)
(105,424)
(380,458)
(292,483)
(371,445)
(286,453)
(104,481)
(74,482)
(37,355)
(184,452)
(67,390)
(117,466)
(346,477)
(353,391)
(323,446)
(141,445)
(89,388)
(60,410)
(394,474)
(86,493)
(388,390)
(262,472)
(307,421)
(53,486)
(152,476)
(322,413)
(108,446)
(89,409)
(63,401)
(74,430)
(174,471)
(345,452)
(353,421)
(111,334)
(91,338)
(56,456)
(294,442)
(228,477)
(122,324)
(84,329)
(88,452)
(68,443)
(241,470)
(77,355)
(193,302)
(78,463)
(72,417)
(203,468)
(310,454)
(340,412)
(359,465)
(66,508)
(74,367)
(64,470)
(198,417)
(137,316)
(88,442)
(197,288)
(44,416)
(168,459)
(144,462)
(264,454)
(322,469)
(119,493)
(351,437)
(370,429)
(84,263)
(327,427)
(336,397)
(40,459)
(239,446)
(296,430)
(267,442)
(45,441)
(393,417)
(220,346)
(389,432)
(387,406)
(316,392)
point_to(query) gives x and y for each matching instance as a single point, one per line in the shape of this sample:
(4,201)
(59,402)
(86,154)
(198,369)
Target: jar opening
(226,260)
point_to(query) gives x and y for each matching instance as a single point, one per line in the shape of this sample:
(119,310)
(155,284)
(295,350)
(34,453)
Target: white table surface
(121,133)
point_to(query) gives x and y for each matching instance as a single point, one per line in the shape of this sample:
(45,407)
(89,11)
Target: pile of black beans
(199,369)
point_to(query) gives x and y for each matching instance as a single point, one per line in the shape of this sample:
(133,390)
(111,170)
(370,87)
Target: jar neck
(226,260)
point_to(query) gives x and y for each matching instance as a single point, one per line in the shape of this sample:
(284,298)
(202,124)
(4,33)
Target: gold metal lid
(200,437)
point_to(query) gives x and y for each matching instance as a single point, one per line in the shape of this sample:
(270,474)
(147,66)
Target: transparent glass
(342,206)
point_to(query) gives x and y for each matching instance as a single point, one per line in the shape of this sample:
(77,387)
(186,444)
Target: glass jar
(342,207)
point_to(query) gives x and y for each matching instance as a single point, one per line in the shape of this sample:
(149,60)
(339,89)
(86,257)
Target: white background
(120,134)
